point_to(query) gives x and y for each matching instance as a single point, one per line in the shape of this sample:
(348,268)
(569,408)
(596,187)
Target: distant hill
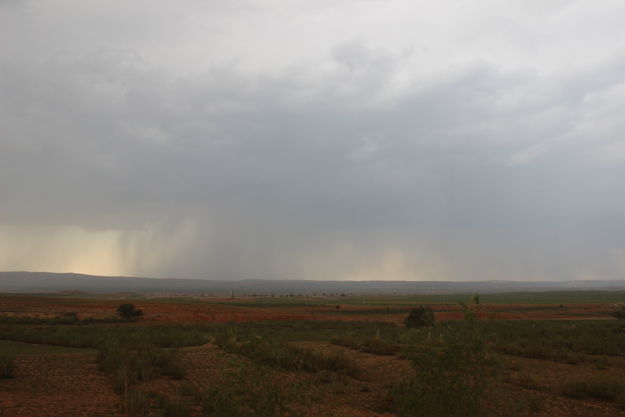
(46,282)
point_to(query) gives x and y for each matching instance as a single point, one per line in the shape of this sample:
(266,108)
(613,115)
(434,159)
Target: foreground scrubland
(343,356)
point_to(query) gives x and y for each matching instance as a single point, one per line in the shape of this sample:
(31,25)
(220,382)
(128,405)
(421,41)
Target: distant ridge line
(45,282)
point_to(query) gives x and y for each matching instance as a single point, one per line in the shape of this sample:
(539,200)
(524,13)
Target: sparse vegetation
(528,381)
(173,408)
(286,356)
(95,336)
(130,363)
(137,403)
(239,394)
(267,368)
(373,345)
(452,374)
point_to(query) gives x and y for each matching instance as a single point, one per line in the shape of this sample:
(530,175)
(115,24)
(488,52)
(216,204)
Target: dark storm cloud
(474,172)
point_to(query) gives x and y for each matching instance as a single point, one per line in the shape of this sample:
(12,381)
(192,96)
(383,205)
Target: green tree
(128,311)
(420,317)
(620,314)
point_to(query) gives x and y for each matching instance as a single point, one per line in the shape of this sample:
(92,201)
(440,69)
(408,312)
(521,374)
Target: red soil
(66,385)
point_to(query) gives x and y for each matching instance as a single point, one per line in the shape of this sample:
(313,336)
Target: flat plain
(516,354)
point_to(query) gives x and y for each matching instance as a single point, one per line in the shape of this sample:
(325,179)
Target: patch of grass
(528,381)
(293,358)
(598,387)
(239,394)
(171,365)
(542,352)
(137,403)
(311,330)
(189,390)
(30,349)
(96,336)
(129,363)
(452,376)
(525,406)
(7,365)
(557,340)
(173,408)
(373,345)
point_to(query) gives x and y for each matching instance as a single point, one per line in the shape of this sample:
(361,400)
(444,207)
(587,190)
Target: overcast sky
(298,139)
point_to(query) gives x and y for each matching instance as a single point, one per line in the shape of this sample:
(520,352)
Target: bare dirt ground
(70,385)
(67,385)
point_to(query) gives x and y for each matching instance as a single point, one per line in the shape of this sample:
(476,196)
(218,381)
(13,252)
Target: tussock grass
(7,365)
(96,336)
(239,394)
(528,381)
(373,345)
(286,356)
(599,387)
(453,374)
(130,363)
(173,408)
(137,403)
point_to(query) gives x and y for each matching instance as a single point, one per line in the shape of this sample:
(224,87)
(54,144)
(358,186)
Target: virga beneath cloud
(185,140)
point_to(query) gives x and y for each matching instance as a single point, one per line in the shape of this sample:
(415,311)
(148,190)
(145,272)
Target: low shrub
(173,408)
(137,403)
(123,378)
(420,317)
(239,394)
(129,312)
(128,364)
(188,389)
(293,358)
(373,345)
(620,314)
(452,377)
(377,346)
(171,365)
(7,365)
(528,381)
(599,387)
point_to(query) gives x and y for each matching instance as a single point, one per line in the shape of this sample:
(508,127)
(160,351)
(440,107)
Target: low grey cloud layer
(340,141)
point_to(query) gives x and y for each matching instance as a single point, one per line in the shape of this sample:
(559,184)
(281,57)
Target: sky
(329,140)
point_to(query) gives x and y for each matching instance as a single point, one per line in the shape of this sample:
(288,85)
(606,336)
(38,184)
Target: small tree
(420,317)
(620,314)
(69,316)
(128,311)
